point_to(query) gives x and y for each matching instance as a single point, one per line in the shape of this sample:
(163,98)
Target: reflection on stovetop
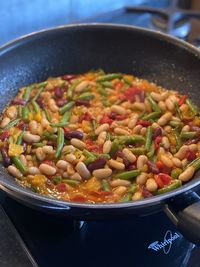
(56,240)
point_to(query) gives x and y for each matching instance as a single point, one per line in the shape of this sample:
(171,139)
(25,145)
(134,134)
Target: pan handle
(184,212)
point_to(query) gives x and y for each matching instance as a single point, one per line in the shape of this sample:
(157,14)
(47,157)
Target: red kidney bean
(82,103)
(18,102)
(131,167)
(4,135)
(190,155)
(152,166)
(193,141)
(74,134)
(22,125)
(121,155)
(40,102)
(61,102)
(58,92)
(68,77)
(157,132)
(146,193)
(97,164)
(195,128)
(6,159)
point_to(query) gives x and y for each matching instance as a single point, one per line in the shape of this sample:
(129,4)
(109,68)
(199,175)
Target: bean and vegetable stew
(99,137)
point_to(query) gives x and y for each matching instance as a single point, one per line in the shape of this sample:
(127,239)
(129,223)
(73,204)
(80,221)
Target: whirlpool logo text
(166,244)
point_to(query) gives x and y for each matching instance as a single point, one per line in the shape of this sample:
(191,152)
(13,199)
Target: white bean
(62,164)
(107,146)
(182,152)
(119,182)
(78,143)
(5,122)
(14,171)
(11,112)
(165,142)
(141,161)
(102,173)
(82,170)
(187,174)
(137,129)
(169,104)
(177,162)
(121,131)
(139,106)
(52,105)
(164,118)
(120,190)
(151,185)
(102,128)
(33,126)
(101,138)
(116,164)
(47,169)
(162,106)
(48,150)
(129,155)
(40,154)
(76,176)
(137,196)
(186,128)
(70,158)
(167,161)
(81,86)
(132,122)
(142,178)
(118,109)
(33,170)
(31,138)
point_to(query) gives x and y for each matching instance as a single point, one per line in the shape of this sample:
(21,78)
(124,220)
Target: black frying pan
(114,48)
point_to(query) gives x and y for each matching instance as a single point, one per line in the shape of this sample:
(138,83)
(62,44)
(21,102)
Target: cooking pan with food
(75,49)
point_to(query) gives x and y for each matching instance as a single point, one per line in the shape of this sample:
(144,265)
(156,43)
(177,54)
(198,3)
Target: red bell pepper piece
(144,123)
(182,100)
(4,135)
(190,155)
(91,146)
(85,117)
(162,179)
(131,92)
(61,187)
(157,142)
(106,119)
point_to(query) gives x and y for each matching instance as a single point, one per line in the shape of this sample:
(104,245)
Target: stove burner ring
(181,26)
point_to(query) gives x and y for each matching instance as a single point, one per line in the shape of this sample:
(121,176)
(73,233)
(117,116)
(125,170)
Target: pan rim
(17,189)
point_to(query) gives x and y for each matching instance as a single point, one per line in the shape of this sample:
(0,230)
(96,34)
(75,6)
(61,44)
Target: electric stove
(31,238)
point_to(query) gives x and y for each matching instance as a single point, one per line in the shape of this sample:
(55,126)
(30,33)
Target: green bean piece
(66,107)
(19,165)
(47,114)
(177,137)
(105,185)
(151,152)
(42,84)
(102,91)
(175,173)
(94,124)
(138,150)
(114,148)
(36,107)
(127,81)
(88,154)
(20,111)
(178,112)
(86,96)
(106,102)
(148,138)
(188,135)
(25,114)
(89,160)
(153,104)
(71,182)
(38,144)
(38,94)
(127,197)
(57,179)
(133,188)
(151,116)
(10,140)
(64,120)
(50,136)
(109,77)
(11,124)
(128,175)
(195,163)
(128,139)
(27,93)
(174,185)
(176,123)
(20,138)
(192,106)
(60,142)
(107,84)
(102,155)
(70,90)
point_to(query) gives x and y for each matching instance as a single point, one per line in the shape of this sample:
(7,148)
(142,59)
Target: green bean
(178,112)
(10,140)
(20,138)
(89,160)
(148,138)
(38,144)
(38,94)
(106,102)
(176,172)
(11,124)
(133,188)
(60,142)
(127,197)
(177,137)
(105,185)
(86,96)
(153,104)
(174,185)
(94,124)
(151,116)
(102,91)
(127,139)
(70,90)
(36,107)
(25,114)
(192,107)
(20,111)
(128,175)
(195,163)
(151,152)
(42,84)
(127,81)
(88,154)
(102,155)
(19,165)
(109,77)
(57,179)
(176,123)
(114,148)
(66,107)
(71,182)
(107,84)
(64,120)
(27,93)
(50,136)
(138,150)
(188,135)
(47,114)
